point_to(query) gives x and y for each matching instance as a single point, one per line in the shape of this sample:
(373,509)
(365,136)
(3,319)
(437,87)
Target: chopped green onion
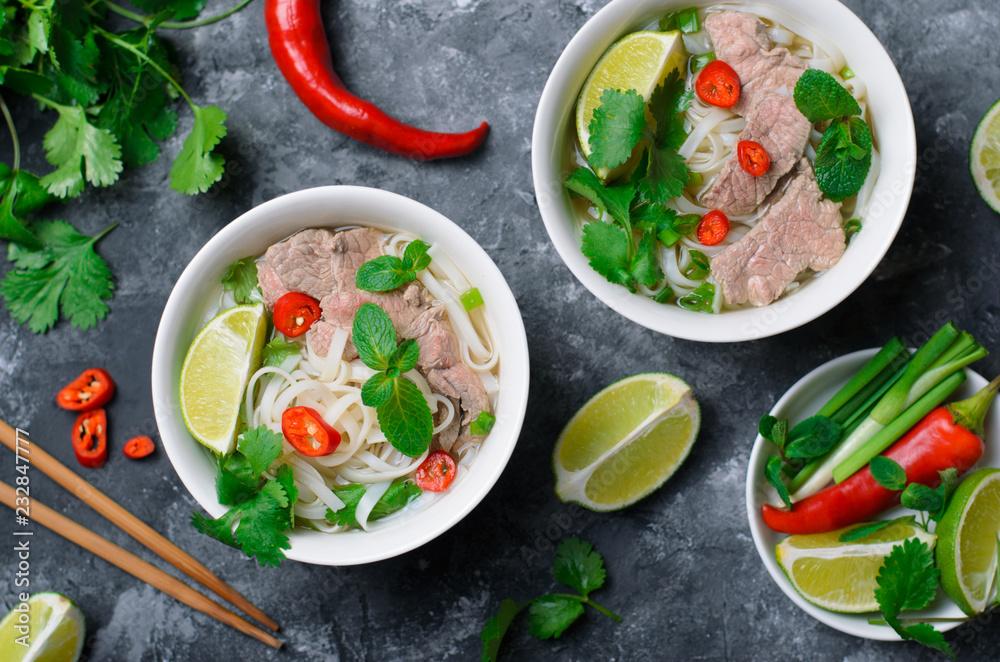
(896,400)
(695,179)
(698,267)
(482,425)
(698,62)
(471,299)
(687,20)
(700,300)
(846,73)
(852,227)
(664,295)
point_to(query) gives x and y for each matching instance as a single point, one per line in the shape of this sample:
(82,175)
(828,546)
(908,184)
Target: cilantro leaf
(888,473)
(374,336)
(579,566)
(65,276)
(482,424)
(31,195)
(615,200)
(606,247)
(773,474)
(666,176)
(73,142)
(812,438)
(277,351)
(405,418)
(261,447)
(843,158)
(197,167)
(286,478)
(645,264)
(550,615)
(616,127)
(240,473)
(496,627)
(260,524)
(667,105)
(76,55)
(400,493)
(240,278)
(13,228)
(820,97)
(383,274)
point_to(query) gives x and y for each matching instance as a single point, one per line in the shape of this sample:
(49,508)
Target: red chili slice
(295,312)
(139,447)
(305,429)
(92,389)
(436,473)
(753,158)
(713,228)
(90,438)
(718,84)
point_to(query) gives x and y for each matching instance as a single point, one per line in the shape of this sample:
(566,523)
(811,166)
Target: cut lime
(626,441)
(984,157)
(967,553)
(639,61)
(215,373)
(51,629)
(840,576)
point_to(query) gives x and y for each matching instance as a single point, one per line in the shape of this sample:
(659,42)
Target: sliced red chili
(753,158)
(295,312)
(139,447)
(90,438)
(92,389)
(718,84)
(713,228)
(436,473)
(305,429)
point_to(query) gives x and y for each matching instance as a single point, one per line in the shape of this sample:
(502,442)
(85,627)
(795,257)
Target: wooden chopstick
(131,524)
(135,566)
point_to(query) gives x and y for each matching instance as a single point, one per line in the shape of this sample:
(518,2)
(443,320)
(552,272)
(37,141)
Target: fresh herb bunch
(261,509)
(625,250)
(808,440)
(403,412)
(388,272)
(112,92)
(401,492)
(844,155)
(577,565)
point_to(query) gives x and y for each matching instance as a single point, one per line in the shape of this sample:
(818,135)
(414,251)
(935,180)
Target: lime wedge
(51,629)
(840,576)
(967,553)
(218,365)
(984,157)
(626,441)
(639,61)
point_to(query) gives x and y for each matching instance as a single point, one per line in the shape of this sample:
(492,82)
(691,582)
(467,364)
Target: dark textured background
(684,573)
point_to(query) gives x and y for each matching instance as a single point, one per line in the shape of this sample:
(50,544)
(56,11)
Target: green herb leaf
(820,97)
(383,274)
(700,300)
(374,336)
(579,566)
(481,426)
(666,176)
(775,476)
(949,482)
(843,158)
(606,247)
(812,438)
(667,105)
(774,430)
(415,255)
(921,497)
(13,228)
(615,200)
(865,530)
(406,419)
(31,195)
(616,127)
(406,356)
(645,265)
(698,62)
(260,524)
(550,615)
(241,279)
(400,493)
(79,150)
(496,627)
(278,350)
(888,473)
(261,447)
(66,276)
(928,635)
(286,478)
(377,390)
(197,166)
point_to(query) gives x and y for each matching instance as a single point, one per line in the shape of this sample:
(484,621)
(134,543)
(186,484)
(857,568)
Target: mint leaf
(579,566)
(774,476)
(383,274)
(949,482)
(812,438)
(496,627)
(197,167)
(820,97)
(928,635)
(865,530)
(240,278)
(406,356)
(550,615)
(616,128)
(415,255)
(406,419)
(606,247)
(843,158)
(79,150)
(921,497)
(888,473)
(377,390)
(482,424)
(774,430)
(615,200)
(374,336)
(277,351)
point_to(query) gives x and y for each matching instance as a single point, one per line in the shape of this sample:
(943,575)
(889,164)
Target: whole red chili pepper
(90,438)
(302,53)
(948,437)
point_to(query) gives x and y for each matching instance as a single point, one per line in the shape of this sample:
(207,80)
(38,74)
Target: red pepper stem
(971,412)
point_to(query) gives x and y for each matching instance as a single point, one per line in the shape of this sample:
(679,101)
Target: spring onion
(471,299)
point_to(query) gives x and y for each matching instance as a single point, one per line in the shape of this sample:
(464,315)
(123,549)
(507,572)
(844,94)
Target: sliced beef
(801,230)
(777,124)
(323,264)
(740,40)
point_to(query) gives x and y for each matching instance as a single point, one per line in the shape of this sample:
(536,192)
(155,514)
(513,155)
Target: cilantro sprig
(240,279)
(403,412)
(261,509)
(388,272)
(400,493)
(577,565)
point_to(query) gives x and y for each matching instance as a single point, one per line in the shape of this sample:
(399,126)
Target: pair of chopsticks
(143,533)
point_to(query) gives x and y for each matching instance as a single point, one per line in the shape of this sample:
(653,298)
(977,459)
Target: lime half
(626,441)
(967,553)
(984,157)
(639,61)
(215,373)
(840,576)
(50,630)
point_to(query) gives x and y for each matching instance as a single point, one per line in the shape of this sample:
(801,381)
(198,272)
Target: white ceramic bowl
(893,127)
(802,400)
(197,293)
